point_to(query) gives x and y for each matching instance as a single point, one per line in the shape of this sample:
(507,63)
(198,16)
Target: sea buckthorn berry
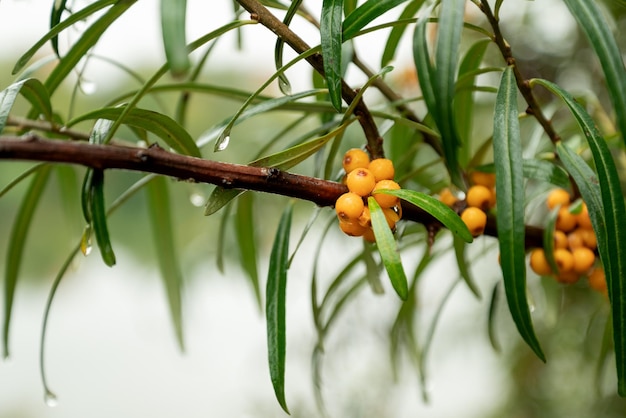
(369,235)
(365,219)
(484,179)
(447,198)
(565,220)
(597,280)
(361,181)
(560,239)
(475,220)
(392,217)
(382,168)
(575,239)
(383,199)
(589,238)
(568,277)
(557,197)
(352,228)
(355,158)
(479,197)
(539,262)
(583,218)
(349,206)
(492,201)
(583,259)
(564,260)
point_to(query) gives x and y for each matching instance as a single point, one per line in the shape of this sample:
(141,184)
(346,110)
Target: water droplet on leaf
(197,199)
(85,242)
(284,85)
(222,142)
(50,399)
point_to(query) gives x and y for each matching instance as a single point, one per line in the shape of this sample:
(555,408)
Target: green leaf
(55,29)
(491,318)
(330,31)
(535,169)
(365,14)
(33,91)
(461,262)
(160,212)
(159,124)
(173,25)
(283,81)
(58,7)
(548,238)
(507,149)
(396,33)
(388,249)
(590,17)
(611,241)
(219,198)
(275,305)
(449,218)
(99,218)
(17,240)
(244,227)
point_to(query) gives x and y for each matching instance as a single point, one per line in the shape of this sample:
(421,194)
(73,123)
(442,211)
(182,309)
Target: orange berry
(589,238)
(484,179)
(382,168)
(365,219)
(492,201)
(597,280)
(349,206)
(352,228)
(355,158)
(447,198)
(392,217)
(475,220)
(569,277)
(565,220)
(361,181)
(557,197)
(369,235)
(583,218)
(539,262)
(560,239)
(575,239)
(386,200)
(584,259)
(564,260)
(479,197)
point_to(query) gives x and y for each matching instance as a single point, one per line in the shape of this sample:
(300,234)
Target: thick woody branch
(159,161)
(267,19)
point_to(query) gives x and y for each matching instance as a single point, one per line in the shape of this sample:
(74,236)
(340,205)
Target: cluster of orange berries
(364,178)
(480,197)
(574,245)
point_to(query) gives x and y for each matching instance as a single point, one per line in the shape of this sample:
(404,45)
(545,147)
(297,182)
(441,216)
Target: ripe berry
(575,239)
(484,179)
(447,198)
(569,277)
(361,181)
(355,158)
(479,197)
(597,280)
(386,200)
(583,218)
(352,228)
(564,260)
(382,168)
(475,220)
(589,238)
(369,235)
(565,220)
(539,262)
(365,219)
(560,239)
(557,197)
(583,259)
(349,206)
(392,217)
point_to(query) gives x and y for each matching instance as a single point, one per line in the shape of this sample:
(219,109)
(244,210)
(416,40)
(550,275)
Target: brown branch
(267,19)
(522,83)
(23,124)
(159,161)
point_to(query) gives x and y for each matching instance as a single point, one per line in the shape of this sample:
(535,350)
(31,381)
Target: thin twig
(23,124)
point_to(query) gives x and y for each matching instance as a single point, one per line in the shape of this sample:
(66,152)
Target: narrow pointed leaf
(173,25)
(99,218)
(219,198)
(365,14)
(388,249)
(507,150)
(17,241)
(58,7)
(548,238)
(275,306)
(461,262)
(398,31)
(244,227)
(160,213)
(159,124)
(283,81)
(330,31)
(33,91)
(612,243)
(591,19)
(449,218)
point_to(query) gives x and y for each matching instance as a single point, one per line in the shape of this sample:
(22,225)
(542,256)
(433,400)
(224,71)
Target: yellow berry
(382,168)
(575,239)
(361,181)
(369,235)
(584,259)
(349,206)
(484,179)
(447,198)
(564,260)
(557,197)
(365,219)
(355,158)
(539,262)
(386,200)
(589,238)
(392,217)
(479,197)
(475,220)
(565,220)
(597,280)
(352,228)
(560,239)
(583,218)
